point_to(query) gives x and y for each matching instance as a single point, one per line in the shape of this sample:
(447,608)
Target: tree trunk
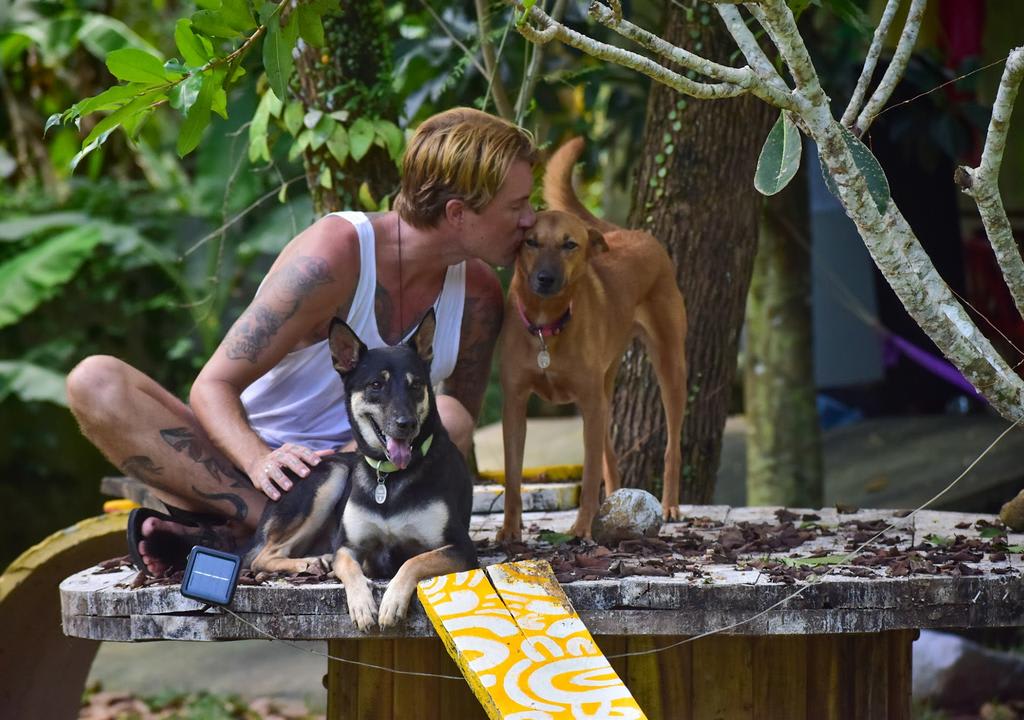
(784,464)
(694,193)
(352,72)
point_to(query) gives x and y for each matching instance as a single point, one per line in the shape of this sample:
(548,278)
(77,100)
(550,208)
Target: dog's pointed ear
(597,243)
(346,347)
(422,341)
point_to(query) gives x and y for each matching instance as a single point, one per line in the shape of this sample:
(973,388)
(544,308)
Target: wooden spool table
(839,649)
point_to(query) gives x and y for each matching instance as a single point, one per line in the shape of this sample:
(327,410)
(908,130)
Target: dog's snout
(546,282)
(405,423)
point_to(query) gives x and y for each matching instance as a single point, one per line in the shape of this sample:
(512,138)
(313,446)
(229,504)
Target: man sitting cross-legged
(269,397)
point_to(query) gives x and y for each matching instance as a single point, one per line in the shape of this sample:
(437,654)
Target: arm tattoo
(468,382)
(290,286)
(184,439)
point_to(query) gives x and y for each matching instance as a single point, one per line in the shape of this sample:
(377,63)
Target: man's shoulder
(482,283)
(332,238)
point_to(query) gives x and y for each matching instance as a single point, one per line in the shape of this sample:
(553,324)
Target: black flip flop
(171,548)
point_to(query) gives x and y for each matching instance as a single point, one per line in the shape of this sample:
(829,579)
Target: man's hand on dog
(267,472)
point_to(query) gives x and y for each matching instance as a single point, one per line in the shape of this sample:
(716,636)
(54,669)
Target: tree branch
(549,30)
(498,92)
(748,45)
(982,183)
(533,72)
(778,21)
(451,36)
(742,77)
(896,68)
(870,61)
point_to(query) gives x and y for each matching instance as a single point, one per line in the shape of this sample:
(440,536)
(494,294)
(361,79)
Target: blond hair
(459,154)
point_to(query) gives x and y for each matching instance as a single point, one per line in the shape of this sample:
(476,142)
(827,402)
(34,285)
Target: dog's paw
(509,534)
(670,513)
(393,606)
(361,608)
(581,530)
(316,566)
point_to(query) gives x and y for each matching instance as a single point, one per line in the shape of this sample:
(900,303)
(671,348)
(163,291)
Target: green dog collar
(386,466)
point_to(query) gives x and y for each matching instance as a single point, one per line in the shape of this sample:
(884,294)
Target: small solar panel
(211,575)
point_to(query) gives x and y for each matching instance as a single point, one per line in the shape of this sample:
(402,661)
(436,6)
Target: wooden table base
(732,677)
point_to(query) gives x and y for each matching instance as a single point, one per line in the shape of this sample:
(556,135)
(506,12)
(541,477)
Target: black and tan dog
(582,290)
(399,507)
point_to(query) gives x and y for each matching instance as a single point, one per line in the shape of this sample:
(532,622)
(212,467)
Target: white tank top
(301,399)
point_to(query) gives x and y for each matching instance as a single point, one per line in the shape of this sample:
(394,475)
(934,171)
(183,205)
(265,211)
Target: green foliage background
(149,173)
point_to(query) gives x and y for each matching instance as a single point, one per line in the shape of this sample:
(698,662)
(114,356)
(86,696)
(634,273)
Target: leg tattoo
(184,438)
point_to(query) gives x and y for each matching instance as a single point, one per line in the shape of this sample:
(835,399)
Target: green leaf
(293,115)
(19,228)
(54,119)
(814,561)
(133,124)
(322,7)
(300,144)
(212,24)
(326,178)
(337,145)
(190,45)
(865,162)
(939,540)
(102,34)
(258,148)
(780,157)
(360,137)
(277,53)
(527,4)
(238,15)
(991,532)
(36,275)
(109,99)
(392,136)
(135,65)
(31,383)
(311,27)
(184,94)
(322,132)
(199,114)
(555,538)
(105,126)
(220,102)
(1019,549)
(366,198)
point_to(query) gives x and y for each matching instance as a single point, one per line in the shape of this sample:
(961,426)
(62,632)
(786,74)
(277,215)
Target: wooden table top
(967,582)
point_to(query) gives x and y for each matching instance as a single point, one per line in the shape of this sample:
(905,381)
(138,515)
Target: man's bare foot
(163,544)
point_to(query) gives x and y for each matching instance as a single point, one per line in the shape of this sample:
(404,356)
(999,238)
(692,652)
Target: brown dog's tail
(558,191)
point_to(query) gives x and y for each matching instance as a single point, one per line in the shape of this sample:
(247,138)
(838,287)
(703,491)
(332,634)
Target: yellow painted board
(568,668)
(537,474)
(522,648)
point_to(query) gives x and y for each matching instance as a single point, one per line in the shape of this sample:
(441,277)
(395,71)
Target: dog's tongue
(400,452)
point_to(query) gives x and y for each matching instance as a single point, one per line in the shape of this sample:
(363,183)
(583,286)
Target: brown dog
(582,290)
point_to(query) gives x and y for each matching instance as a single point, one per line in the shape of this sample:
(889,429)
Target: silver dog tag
(543,359)
(380,494)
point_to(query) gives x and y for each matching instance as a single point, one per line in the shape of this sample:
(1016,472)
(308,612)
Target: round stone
(627,514)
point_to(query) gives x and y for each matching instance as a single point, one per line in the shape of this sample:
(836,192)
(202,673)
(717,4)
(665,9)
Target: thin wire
(238,217)
(949,82)
(813,580)
(818,578)
(333,657)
